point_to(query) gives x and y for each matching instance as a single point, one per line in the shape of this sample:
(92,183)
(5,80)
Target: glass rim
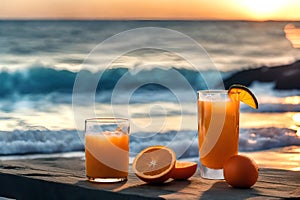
(107,119)
(214,91)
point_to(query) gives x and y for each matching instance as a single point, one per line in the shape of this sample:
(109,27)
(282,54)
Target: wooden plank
(64,178)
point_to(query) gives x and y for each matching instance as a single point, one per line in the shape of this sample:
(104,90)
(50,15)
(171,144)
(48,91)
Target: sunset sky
(151,9)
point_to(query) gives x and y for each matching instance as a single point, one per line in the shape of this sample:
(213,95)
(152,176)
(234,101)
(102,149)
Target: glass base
(209,173)
(106,180)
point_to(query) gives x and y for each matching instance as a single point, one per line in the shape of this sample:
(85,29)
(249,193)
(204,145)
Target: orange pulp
(107,156)
(218,131)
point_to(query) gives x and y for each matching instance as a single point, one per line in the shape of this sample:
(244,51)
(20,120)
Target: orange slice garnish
(242,93)
(184,170)
(154,164)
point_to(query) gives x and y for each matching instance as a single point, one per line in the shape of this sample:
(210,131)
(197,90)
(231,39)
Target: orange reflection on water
(296,118)
(298,132)
(292,100)
(280,158)
(292,33)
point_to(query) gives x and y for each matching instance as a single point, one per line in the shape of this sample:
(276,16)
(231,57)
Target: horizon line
(142,19)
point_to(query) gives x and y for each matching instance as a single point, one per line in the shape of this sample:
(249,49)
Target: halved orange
(154,164)
(184,170)
(243,94)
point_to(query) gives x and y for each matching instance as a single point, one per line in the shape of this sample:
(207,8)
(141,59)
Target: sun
(263,9)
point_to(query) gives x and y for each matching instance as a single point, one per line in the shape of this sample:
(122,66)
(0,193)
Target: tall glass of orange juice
(106,149)
(218,131)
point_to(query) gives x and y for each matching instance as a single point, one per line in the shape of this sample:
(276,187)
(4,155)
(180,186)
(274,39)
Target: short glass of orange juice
(107,149)
(218,131)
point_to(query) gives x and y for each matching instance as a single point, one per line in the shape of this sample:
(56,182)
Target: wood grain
(64,178)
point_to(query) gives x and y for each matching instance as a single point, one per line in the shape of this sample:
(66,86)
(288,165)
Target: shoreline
(283,158)
(286,158)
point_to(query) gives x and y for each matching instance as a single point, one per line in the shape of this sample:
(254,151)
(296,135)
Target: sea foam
(184,143)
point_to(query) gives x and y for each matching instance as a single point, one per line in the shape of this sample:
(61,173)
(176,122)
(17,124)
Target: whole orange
(240,171)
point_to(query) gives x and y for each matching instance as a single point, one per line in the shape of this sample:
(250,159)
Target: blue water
(65,44)
(39,62)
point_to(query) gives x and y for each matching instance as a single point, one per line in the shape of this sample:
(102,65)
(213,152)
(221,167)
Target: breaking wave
(41,140)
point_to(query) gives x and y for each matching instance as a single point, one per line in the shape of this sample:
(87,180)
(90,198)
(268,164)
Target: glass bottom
(106,180)
(209,173)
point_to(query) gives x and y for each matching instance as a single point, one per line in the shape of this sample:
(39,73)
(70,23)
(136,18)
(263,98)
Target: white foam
(39,141)
(267,138)
(184,143)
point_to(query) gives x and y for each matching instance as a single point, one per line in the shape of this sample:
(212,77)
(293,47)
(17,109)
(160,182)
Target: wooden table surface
(64,178)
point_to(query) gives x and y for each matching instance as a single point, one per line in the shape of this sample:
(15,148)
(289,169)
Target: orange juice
(218,130)
(107,149)
(107,156)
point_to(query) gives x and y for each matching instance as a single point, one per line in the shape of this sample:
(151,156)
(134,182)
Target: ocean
(42,111)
